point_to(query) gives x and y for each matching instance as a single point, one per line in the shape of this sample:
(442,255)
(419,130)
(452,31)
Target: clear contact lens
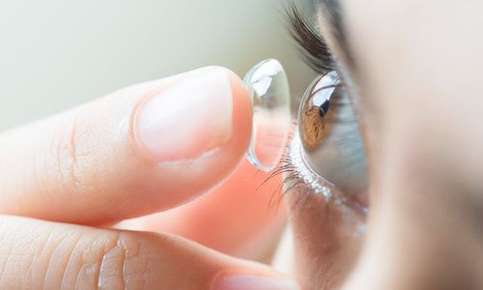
(330,136)
(271,113)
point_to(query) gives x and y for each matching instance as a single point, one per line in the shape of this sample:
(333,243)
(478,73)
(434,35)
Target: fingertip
(194,132)
(242,114)
(137,151)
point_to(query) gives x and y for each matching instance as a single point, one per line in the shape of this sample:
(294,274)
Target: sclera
(271,113)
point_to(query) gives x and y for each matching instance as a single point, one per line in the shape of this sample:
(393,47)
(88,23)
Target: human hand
(144,149)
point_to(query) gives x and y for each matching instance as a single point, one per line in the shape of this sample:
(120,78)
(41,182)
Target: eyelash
(297,176)
(311,44)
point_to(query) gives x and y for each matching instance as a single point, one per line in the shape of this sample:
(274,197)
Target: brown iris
(315,121)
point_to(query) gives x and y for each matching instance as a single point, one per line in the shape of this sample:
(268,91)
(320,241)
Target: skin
(416,82)
(64,179)
(417,86)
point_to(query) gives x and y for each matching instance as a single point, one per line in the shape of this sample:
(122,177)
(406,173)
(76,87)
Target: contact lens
(330,135)
(271,113)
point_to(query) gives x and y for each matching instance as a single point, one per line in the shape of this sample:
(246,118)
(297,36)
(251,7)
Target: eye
(326,155)
(332,146)
(316,113)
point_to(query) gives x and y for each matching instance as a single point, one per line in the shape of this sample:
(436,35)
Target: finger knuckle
(117,261)
(65,257)
(69,157)
(108,260)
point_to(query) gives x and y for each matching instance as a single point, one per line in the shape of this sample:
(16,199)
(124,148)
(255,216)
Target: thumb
(45,255)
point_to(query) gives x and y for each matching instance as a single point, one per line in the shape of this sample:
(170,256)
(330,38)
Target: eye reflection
(332,143)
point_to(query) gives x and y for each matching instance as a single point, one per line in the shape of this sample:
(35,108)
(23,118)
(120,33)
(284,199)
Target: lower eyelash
(297,175)
(303,173)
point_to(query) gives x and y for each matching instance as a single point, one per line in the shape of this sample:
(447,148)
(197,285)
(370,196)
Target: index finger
(143,149)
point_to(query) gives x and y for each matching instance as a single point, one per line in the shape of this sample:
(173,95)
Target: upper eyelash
(312,45)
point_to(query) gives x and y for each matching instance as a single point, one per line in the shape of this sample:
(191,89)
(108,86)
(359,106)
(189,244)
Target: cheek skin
(326,238)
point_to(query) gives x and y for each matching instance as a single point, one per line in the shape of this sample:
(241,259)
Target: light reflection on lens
(271,113)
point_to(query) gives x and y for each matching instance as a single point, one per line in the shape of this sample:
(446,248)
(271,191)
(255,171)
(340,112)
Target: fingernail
(188,118)
(249,282)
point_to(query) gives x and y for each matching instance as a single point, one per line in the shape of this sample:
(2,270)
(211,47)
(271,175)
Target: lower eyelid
(299,177)
(304,173)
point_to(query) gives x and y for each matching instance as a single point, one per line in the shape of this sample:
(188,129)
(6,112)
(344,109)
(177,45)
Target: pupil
(324,108)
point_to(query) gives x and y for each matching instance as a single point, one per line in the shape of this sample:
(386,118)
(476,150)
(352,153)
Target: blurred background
(56,54)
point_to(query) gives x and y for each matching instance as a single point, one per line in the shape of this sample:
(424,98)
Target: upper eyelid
(332,14)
